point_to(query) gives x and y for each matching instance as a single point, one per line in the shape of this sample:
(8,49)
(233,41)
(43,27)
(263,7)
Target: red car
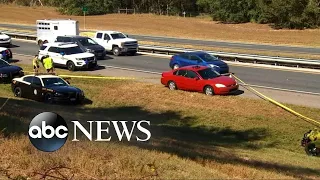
(200,79)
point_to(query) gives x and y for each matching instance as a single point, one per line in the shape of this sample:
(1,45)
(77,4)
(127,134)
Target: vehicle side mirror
(196,78)
(127,35)
(62,53)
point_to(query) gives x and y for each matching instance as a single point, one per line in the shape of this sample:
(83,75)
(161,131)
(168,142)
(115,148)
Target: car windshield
(72,50)
(3,63)
(208,73)
(54,82)
(87,42)
(118,36)
(208,57)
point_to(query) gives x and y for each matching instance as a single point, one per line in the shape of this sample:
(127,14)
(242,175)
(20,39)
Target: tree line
(294,14)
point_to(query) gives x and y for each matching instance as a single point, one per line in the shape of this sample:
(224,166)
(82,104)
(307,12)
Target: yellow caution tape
(87,77)
(281,105)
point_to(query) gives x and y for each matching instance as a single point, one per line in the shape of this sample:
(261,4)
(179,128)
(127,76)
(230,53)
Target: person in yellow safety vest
(35,63)
(48,64)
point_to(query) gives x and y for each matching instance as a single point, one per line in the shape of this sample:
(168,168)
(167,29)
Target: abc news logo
(48,131)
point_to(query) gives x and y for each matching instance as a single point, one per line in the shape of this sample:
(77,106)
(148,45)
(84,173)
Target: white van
(49,29)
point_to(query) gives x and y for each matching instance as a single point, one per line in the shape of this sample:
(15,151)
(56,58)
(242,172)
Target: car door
(36,89)
(184,59)
(107,41)
(194,60)
(191,81)
(54,53)
(180,78)
(25,86)
(99,38)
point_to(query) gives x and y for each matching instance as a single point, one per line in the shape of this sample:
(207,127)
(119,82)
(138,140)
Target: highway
(257,76)
(261,47)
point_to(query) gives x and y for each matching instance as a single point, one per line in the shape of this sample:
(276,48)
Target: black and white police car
(46,88)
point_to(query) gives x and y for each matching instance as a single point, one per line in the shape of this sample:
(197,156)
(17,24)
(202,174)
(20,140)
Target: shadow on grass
(171,133)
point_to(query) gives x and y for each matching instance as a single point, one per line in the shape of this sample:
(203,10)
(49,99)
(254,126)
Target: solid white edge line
(232,63)
(281,89)
(158,73)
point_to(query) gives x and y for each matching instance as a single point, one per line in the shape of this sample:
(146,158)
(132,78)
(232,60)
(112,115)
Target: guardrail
(236,57)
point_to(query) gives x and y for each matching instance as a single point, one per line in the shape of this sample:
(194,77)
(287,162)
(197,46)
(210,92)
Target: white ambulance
(49,29)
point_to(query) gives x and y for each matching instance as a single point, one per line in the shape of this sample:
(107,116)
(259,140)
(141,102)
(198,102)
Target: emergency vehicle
(49,29)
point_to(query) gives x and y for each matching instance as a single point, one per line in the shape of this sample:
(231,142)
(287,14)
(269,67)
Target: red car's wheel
(208,90)
(172,85)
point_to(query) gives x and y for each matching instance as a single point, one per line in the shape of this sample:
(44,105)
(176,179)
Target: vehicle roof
(108,32)
(193,67)
(42,76)
(46,20)
(74,36)
(195,52)
(61,44)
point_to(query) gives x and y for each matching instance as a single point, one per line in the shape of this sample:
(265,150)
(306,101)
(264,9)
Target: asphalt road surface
(301,50)
(256,76)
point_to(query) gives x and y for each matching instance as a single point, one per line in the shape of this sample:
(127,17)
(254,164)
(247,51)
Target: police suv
(68,55)
(47,88)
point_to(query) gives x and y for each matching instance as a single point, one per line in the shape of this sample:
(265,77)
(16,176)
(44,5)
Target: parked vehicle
(200,79)
(46,88)
(68,55)
(8,72)
(5,54)
(87,43)
(198,58)
(49,29)
(116,42)
(5,40)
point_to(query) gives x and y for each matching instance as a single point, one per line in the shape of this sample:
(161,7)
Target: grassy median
(193,136)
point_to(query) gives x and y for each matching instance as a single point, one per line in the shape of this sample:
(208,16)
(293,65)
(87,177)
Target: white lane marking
(152,72)
(280,89)
(251,65)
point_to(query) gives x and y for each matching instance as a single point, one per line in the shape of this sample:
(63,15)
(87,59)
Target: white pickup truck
(116,42)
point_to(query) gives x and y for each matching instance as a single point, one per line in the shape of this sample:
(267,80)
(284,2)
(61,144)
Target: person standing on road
(48,64)
(35,63)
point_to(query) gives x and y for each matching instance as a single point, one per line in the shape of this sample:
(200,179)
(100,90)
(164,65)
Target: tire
(71,66)
(48,98)
(208,90)
(176,66)
(116,51)
(310,149)
(172,85)
(17,92)
(133,53)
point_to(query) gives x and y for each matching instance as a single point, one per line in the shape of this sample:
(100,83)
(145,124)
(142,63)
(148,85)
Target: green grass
(193,136)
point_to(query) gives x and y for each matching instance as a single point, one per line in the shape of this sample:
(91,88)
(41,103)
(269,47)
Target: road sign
(84,9)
